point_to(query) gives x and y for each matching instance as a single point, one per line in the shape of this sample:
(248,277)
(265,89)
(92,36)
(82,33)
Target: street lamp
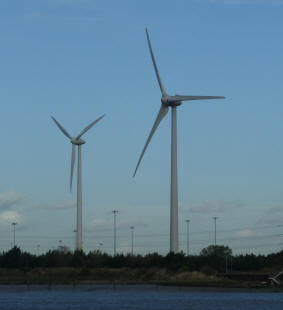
(14,227)
(188,244)
(37,247)
(132,238)
(101,247)
(76,238)
(215,218)
(115,213)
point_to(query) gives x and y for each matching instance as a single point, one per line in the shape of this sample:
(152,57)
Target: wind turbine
(166,102)
(77,141)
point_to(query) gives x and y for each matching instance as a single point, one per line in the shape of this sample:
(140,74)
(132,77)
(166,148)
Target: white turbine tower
(166,102)
(77,141)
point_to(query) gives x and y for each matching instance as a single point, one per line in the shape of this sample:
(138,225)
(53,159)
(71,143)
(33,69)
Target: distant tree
(211,259)
(56,258)
(64,249)
(15,258)
(78,259)
(12,258)
(153,260)
(214,256)
(174,261)
(216,250)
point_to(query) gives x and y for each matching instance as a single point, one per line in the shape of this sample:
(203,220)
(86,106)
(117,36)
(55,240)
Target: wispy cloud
(37,16)
(8,217)
(8,199)
(99,224)
(124,247)
(274,210)
(106,225)
(71,1)
(269,2)
(244,233)
(272,219)
(207,206)
(61,205)
(272,216)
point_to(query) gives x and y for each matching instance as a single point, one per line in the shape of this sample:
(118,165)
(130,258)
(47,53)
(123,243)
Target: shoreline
(142,277)
(116,286)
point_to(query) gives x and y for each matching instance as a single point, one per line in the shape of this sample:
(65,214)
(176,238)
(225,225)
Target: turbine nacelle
(77,141)
(170,101)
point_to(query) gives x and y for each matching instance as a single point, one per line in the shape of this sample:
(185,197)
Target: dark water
(85,297)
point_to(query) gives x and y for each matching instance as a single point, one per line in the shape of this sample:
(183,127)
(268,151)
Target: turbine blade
(161,114)
(61,128)
(187,98)
(154,64)
(89,126)
(73,159)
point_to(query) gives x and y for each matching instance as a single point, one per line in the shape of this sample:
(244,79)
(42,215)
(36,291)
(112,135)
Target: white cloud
(99,224)
(245,233)
(270,2)
(106,225)
(61,205)
(272,216)
(124,247)
(212,206)
(8,217)
(9,198)
(272,219)
(274,209)
(72,1)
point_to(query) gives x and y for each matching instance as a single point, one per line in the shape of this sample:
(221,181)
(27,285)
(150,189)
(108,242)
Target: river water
(86,297)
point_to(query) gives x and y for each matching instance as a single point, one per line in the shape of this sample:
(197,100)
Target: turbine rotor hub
(170,101)
(77,141)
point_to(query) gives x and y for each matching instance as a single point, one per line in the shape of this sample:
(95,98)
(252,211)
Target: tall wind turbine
(166,102)
(77,141)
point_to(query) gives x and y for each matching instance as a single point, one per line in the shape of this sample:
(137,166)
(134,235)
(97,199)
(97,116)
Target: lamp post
(60,245)
(188,240)
(115,213)
(37,248)
(76,238)
(14,228)
(101,247)
(215,218)
(227,263)
(132,239)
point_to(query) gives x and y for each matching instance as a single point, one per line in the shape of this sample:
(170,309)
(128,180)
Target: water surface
(86,297)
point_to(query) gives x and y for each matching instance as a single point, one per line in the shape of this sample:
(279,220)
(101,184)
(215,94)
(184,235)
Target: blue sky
(79,59)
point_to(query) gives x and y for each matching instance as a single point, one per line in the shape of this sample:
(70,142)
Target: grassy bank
(158,276)
(88,275)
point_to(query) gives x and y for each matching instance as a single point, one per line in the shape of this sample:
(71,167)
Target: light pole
(215,218)
(37,247)
(188,240)
(101,247)
(60,245)
(14,227)
(115,213)
(132,238)
(227,263)
(76,238)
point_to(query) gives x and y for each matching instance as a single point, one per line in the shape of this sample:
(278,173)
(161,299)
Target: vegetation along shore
(213,267)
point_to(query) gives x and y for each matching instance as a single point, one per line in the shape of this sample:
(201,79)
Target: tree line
(213,259)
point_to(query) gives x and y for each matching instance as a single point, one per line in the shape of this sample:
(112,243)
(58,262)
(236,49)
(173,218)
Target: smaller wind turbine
(77,141)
